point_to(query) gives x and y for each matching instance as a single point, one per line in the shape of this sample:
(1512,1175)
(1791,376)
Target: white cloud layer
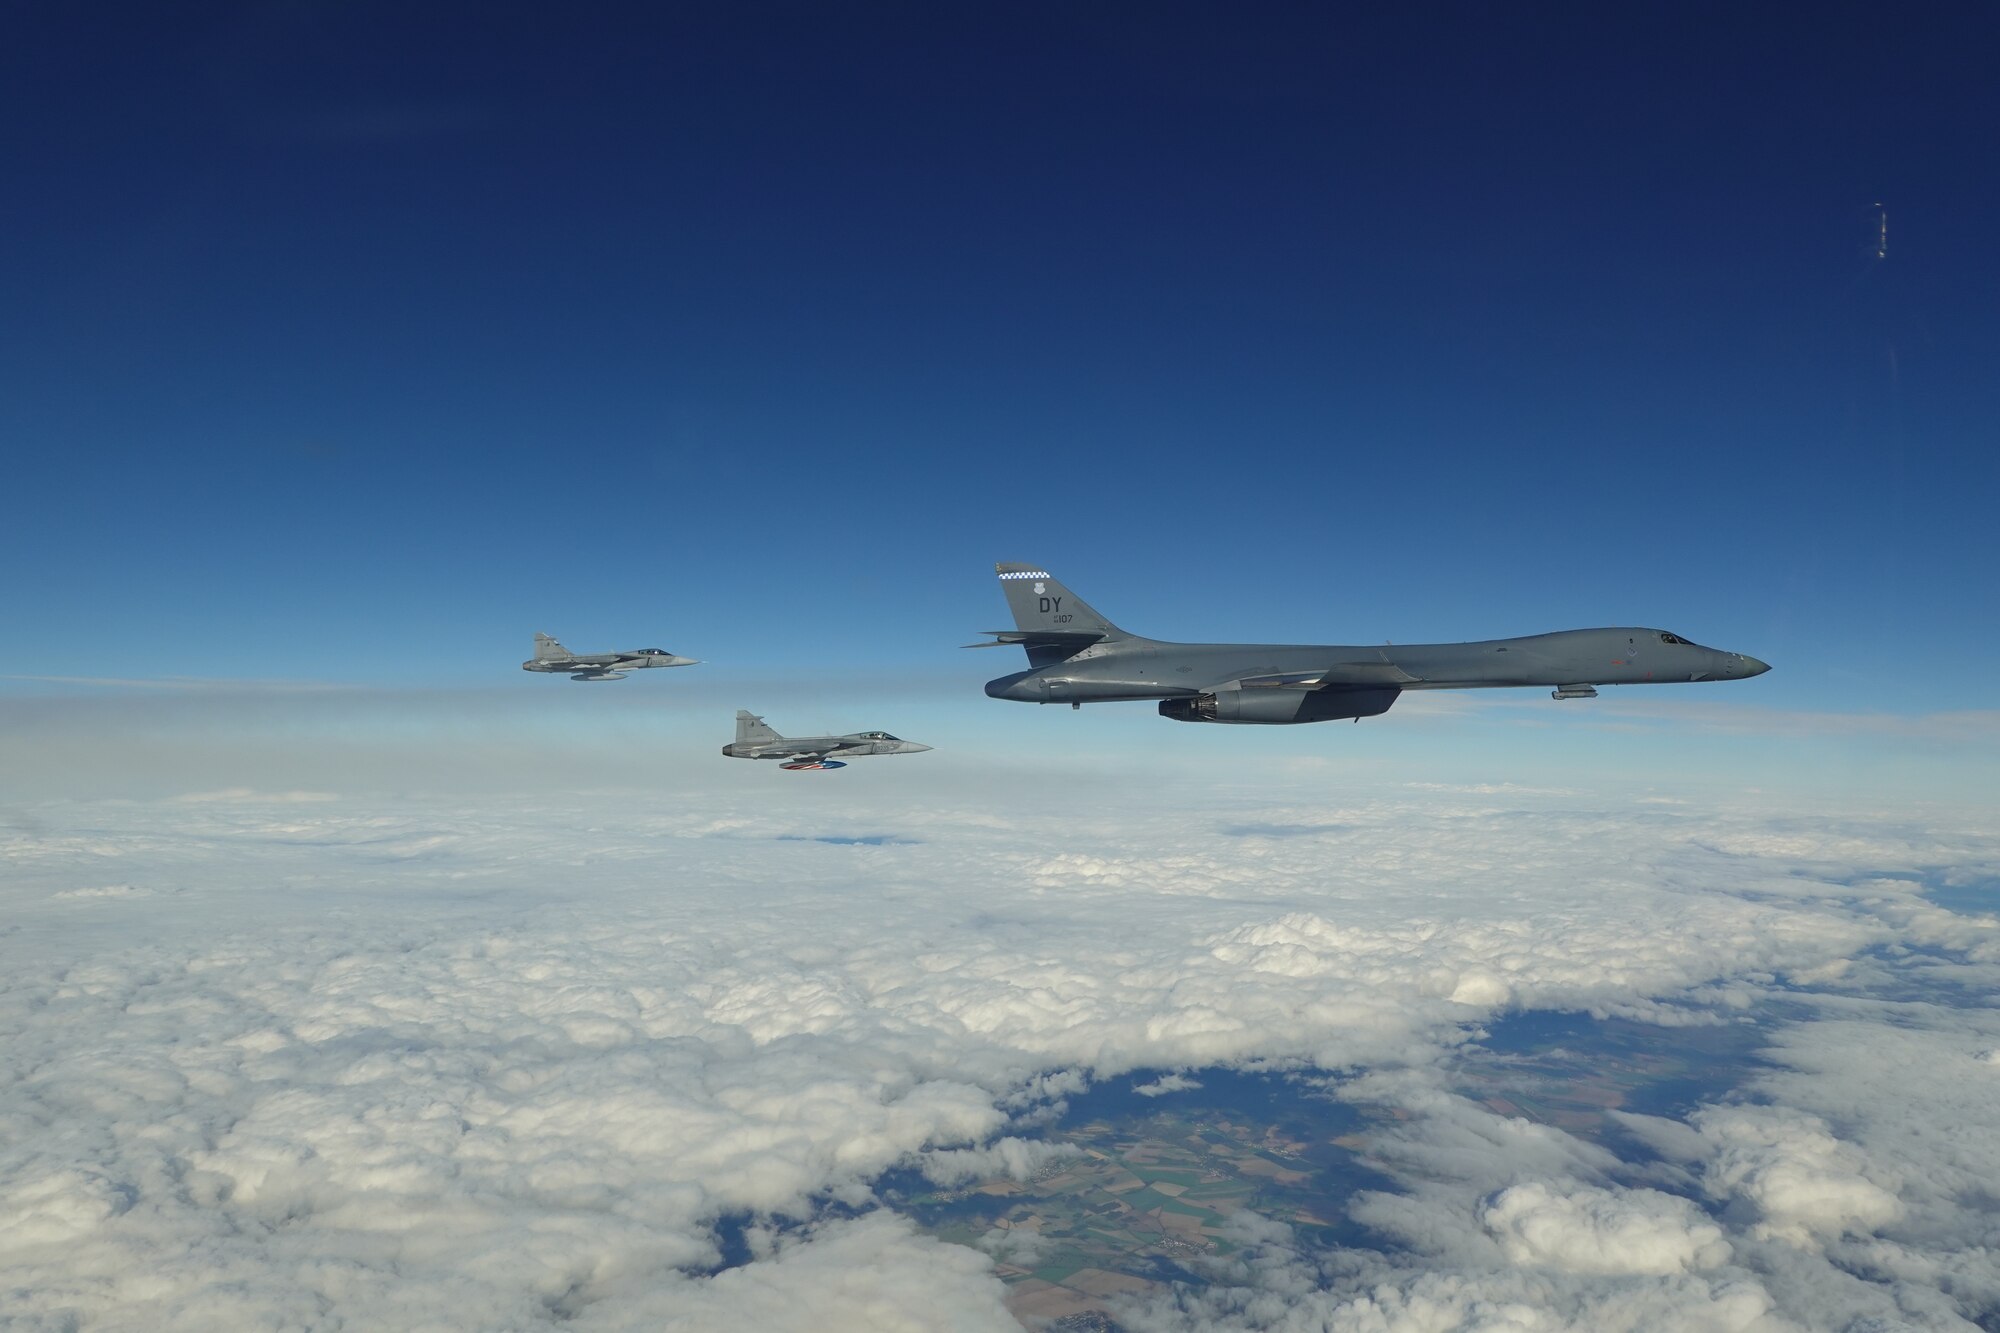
(324,1062)
(1589,1230)
(1805,1185)
(1165,1084)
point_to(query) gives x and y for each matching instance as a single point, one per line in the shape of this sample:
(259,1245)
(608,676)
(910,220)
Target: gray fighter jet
(1077,657)
(754,740)
(551,656)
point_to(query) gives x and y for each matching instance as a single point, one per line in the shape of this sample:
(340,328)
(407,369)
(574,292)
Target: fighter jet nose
(911,747)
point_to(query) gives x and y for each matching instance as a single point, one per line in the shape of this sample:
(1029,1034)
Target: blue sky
(353,344)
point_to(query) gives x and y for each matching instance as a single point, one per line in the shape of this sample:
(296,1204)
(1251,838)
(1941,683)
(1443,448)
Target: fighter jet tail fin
(548,650)
(1052,622)
(751,729)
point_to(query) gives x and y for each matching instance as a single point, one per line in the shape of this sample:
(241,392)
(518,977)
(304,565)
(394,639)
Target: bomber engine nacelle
(1277,707)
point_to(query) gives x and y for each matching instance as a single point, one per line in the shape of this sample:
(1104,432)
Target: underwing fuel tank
(1575,692)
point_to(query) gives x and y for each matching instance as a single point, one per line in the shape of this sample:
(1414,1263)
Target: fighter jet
(551,656)
(1076,657)
(754,740)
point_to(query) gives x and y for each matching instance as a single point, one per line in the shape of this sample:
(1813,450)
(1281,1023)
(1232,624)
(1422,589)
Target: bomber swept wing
(1339,676)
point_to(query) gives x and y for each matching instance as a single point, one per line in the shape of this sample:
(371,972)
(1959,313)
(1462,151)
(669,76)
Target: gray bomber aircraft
(754,740)
(1076,657)
(551,656)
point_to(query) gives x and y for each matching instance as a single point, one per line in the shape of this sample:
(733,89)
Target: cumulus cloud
(1588,1230)
(1014,1158)
(508,1064)
(1165,1084)
(1271,1282)
(871,1273)
(1023,1247)
(1805,1185)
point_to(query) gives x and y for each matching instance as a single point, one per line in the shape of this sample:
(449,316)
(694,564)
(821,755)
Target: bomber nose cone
(1755,667)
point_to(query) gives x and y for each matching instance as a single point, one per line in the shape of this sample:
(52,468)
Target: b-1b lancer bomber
(754,740)
(551,656)
(1076,657)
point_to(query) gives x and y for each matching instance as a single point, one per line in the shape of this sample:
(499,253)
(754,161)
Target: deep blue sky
(352,342)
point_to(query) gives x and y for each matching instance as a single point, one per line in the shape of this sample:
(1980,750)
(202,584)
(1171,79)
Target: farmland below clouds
(320,1061)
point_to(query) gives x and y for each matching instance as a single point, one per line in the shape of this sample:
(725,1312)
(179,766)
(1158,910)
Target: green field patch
(1213,1189)
(1220,1207)
(1058,1273)
(960,1234)
(1118,1241)
(1171,1175)
(1147,1200)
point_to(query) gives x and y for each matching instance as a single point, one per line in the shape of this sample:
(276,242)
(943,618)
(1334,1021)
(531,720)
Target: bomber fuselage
(1133,668)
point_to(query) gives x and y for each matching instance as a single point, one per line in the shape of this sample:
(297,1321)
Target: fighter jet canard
(754,740)
(552,657)
(1076,657)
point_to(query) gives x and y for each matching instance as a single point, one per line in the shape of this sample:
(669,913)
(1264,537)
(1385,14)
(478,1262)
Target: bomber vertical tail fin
(1040,603)
(1050,622)
(750,729)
